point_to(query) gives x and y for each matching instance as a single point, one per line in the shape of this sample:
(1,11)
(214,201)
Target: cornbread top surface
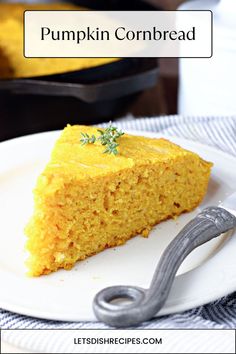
(70,157)
(12,62)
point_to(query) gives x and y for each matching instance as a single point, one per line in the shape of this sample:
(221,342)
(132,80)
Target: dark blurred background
(161,99)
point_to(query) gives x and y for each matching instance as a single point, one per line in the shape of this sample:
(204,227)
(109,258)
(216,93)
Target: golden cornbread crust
(86,201)
(13,64)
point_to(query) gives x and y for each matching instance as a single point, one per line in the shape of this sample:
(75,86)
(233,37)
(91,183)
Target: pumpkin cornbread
(13,64)
(86,201)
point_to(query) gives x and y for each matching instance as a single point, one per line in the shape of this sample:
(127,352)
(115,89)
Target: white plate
(207,274)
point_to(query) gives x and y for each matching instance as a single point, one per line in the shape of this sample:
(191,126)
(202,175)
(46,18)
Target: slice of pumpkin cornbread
(86,201)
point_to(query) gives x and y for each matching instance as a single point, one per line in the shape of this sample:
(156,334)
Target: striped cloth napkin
(215,131)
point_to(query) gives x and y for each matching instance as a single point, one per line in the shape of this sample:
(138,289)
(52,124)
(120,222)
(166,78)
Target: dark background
(162,99)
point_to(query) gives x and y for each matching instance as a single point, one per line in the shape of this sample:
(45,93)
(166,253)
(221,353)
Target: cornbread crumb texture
(12,61)
(86,201)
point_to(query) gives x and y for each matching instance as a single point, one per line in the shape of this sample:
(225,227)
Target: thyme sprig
(108,137)
(86,139)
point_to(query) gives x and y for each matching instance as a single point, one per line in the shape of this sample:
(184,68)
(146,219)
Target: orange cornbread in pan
(13,64)
(86,201)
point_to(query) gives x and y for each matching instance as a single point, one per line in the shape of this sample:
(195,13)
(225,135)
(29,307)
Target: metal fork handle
(146,303)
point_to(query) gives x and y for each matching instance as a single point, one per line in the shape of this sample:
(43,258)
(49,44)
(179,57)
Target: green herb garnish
(108,137)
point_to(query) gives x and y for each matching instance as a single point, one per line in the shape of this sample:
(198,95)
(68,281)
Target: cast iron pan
(105,82)
(81,97)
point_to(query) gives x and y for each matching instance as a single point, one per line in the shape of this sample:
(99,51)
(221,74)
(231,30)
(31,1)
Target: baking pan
(81,97)
(105,82)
